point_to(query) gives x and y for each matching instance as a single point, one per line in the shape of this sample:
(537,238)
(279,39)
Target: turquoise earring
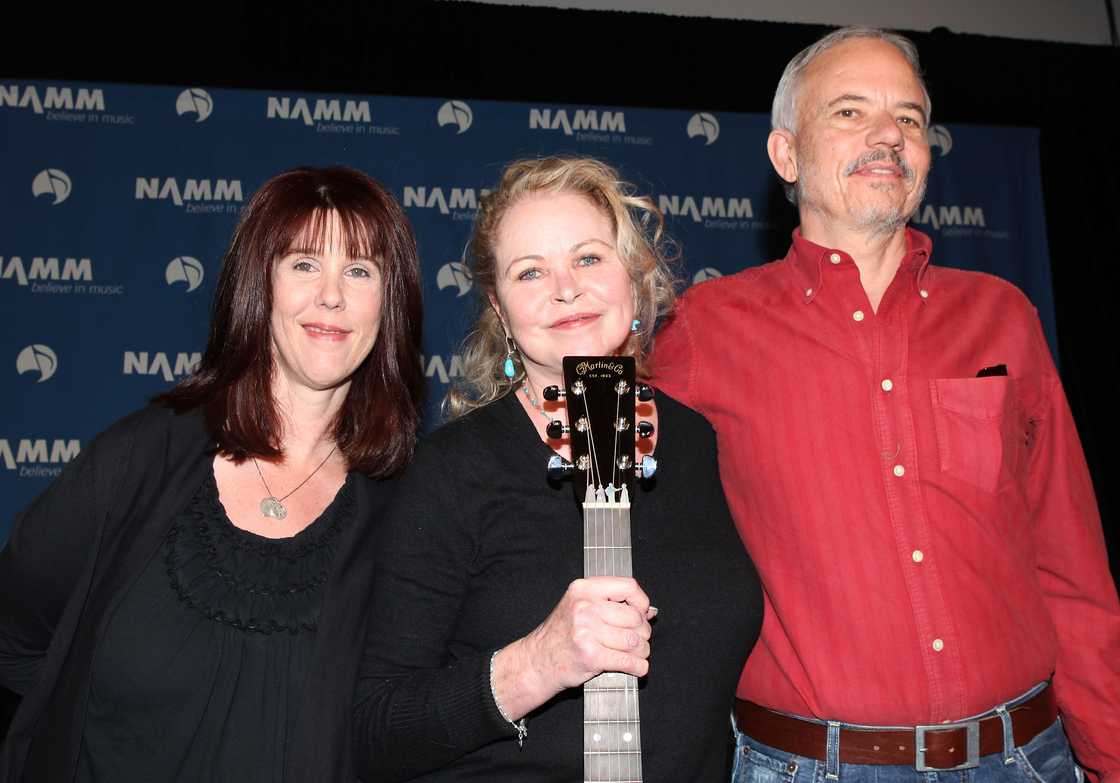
(508,368)
(635,324)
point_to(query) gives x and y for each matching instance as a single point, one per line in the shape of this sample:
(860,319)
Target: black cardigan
(477,549)
(76,550)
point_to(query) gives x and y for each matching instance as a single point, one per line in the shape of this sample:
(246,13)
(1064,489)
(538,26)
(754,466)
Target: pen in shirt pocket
(994,370)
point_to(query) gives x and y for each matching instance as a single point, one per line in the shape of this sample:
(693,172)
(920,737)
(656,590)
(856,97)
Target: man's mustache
(877,155)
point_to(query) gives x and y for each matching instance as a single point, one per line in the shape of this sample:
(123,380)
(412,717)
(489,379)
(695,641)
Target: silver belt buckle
(972,747)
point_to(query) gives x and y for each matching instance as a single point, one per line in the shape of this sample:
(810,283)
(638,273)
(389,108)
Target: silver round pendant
(273,508)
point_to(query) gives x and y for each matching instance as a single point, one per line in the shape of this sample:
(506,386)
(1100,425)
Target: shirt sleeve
(53,543)
(1074,576)
(418,706)
(675,358)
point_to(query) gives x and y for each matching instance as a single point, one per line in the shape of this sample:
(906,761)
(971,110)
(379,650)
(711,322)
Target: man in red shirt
(903,467)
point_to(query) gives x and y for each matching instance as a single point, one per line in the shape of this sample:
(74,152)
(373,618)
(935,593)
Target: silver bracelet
(518,725)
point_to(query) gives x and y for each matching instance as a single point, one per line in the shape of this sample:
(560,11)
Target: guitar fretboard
(612,748)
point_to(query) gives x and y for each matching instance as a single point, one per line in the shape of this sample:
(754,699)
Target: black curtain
(471,50)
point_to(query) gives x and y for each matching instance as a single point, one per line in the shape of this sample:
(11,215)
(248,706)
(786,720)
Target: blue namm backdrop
(118,202)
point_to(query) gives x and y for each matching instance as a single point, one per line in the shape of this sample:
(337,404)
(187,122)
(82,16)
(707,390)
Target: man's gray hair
(783,114)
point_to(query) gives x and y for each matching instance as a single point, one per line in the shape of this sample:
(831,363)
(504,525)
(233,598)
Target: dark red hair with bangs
(376,425)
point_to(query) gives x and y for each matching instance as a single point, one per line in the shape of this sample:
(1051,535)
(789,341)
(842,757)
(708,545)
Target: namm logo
(197,195)
(39,359)
(159,363)
(707,273)
(939,137)
(457,275)
(55,275)
(442,367)
(185,269)
(318,110)
(196,101)
(327,115)
(52,99)
(456,113)
(460,203)
(580,120)
(703,125)
(53,182)
(938,217)
(34,457)
(45,268)
(712,211)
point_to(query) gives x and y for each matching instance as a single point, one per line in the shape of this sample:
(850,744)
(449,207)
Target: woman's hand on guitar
(601,624)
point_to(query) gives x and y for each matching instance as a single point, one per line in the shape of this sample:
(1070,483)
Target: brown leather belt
(937,747)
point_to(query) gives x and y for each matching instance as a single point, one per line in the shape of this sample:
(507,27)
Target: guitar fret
(609,721)
(613,752)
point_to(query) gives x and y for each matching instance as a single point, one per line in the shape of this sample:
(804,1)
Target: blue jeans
(1045,759)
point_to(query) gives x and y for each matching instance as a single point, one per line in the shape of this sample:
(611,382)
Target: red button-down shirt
(928,539)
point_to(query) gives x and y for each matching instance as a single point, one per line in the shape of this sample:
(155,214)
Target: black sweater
(477,550)
(76,551)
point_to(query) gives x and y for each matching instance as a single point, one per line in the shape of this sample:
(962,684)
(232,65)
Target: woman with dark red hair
(187,601)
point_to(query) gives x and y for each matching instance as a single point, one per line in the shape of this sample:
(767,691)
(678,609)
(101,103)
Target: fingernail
(653,610)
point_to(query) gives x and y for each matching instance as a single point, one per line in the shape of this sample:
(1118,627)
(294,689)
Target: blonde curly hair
(648,254)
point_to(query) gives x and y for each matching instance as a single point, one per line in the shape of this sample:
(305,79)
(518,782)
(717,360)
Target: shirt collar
(810,262)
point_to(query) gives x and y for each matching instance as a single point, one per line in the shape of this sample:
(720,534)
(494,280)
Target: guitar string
(618,567)
(589,705)
(617,554)
(593,707)
(615,569)
(629,693)
(630,683)
(593,475)
(612,695)
(616,735)
(617,438)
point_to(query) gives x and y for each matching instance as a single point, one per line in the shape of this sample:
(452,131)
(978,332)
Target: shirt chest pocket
(981,429)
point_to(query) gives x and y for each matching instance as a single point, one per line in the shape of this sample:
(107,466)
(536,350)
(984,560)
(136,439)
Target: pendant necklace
(532,399)
(273,507)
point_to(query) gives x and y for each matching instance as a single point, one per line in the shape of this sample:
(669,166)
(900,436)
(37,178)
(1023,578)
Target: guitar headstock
(601,394)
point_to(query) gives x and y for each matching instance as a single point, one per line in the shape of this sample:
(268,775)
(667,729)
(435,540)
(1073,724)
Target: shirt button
(899,471)
(835,258)
(808,292)
(917,555)
(857,315)
(938,645)
(924,294)
(887,384)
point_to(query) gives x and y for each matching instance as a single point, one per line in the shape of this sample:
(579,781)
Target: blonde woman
(482,631)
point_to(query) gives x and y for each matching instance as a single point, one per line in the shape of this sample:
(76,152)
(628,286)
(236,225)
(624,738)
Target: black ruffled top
(200,674)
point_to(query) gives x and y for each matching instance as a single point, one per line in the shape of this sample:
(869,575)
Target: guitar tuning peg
(559,468)
(552,393)
(644,392)
(646,468)
(556,429)
(645,429)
